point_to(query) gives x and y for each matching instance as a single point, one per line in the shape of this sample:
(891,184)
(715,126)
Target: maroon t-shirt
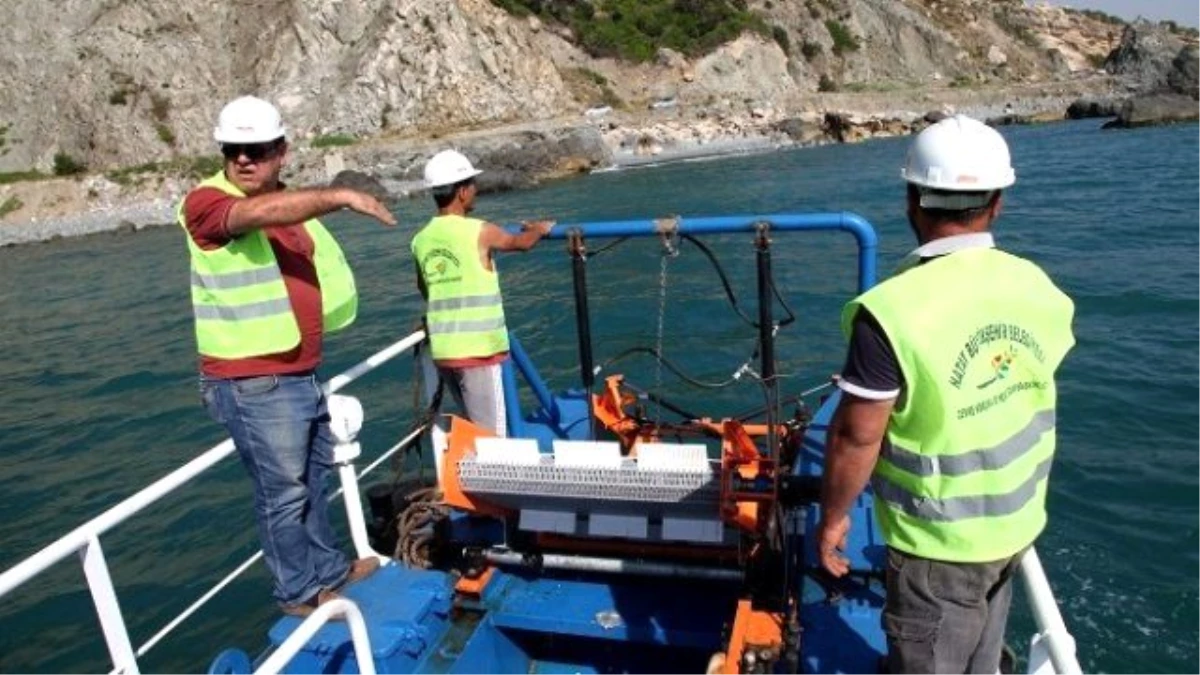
(205,211)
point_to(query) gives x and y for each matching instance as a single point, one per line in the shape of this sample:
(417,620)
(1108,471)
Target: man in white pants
(456,274)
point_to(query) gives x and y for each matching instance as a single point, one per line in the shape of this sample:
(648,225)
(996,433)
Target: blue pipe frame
(519,361)
(841,221)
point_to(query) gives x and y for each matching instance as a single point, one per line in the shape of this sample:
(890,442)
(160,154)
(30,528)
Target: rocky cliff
(1159,72)
(109,83)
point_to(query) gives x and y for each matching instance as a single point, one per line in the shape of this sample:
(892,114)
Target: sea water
(99,391)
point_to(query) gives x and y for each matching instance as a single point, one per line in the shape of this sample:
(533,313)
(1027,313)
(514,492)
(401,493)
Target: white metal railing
(305,631)
(85,539)
(1052,649)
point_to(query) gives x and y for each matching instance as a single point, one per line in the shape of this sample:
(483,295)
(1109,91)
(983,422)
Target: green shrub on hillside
(635,30)
(514,7)
(963,81)
(1015,26)
(203,166)
(592,87)
(333,140)
(7,177)
(843,40)
(810,50)
(165,134)
(781,37)
(196,168)
(11,204)
(160,107)
(131,174)
(1096,14)
(66,165)
(1175,28)
(596,78)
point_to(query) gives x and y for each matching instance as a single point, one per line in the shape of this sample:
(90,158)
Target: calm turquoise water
(100,397)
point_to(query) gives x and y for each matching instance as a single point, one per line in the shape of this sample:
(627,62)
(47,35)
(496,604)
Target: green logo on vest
(1000,360)
(981,364)
(441,266)
(1001,366)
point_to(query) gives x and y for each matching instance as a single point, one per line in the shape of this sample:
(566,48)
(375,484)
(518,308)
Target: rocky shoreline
(372,89)
(745,105)
(524,155)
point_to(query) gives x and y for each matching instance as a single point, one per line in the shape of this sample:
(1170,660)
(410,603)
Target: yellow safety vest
(978,335)
(464,313)
(239,298)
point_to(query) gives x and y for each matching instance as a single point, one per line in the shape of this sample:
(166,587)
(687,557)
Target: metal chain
(669,251)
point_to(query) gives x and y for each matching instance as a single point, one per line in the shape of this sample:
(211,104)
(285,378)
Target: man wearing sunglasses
(268,280)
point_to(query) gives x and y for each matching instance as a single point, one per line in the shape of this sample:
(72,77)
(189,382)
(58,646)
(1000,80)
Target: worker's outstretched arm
(495,238)
(852,448)
(288,207)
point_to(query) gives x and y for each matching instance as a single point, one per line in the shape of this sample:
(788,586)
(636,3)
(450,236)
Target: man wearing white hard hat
(948,407)
(456,274)
(268,281)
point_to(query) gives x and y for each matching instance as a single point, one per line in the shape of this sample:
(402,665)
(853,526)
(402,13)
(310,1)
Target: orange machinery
(749,479)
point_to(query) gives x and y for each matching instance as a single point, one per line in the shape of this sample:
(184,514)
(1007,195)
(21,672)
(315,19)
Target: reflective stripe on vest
(464,311)
(964,507)
(448,326)
(235,279)
(253,310)
(239,298)
(972,440)
(465,302)
(983,459)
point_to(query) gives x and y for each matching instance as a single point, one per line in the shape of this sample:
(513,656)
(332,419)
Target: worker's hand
(369,206)
(831,538)
(543,227)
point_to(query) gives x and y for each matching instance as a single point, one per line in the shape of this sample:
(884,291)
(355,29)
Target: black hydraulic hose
(583,322)
(608,247)
(669,365)
(579,255)
(655,398)
(791,316)
(766,334)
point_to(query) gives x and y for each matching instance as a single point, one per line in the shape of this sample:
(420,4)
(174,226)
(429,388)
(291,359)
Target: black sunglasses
(253,151)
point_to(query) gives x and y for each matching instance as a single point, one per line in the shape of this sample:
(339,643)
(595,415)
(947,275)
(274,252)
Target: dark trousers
(944,617)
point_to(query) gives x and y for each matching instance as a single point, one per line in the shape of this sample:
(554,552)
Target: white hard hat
(248,120)
(958,154)
(448,167)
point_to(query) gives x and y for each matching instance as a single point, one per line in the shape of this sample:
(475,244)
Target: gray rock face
(1009,119)
(516,159)
(120,83)
(1146,57)
(362,182)
(125,82)
(1089,107)
(802,131)
(1156,109)
(1184,77)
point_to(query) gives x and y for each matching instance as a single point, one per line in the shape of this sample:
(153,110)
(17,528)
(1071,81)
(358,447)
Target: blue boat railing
(841,221)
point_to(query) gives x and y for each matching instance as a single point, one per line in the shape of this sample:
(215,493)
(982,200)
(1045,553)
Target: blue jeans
(280,425)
